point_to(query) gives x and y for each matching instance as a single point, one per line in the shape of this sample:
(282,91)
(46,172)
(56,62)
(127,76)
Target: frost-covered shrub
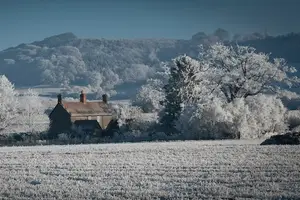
(150,96)
(133,123)
(293,118)
(132,136)
(125,113)
(64,137)
(204,121)
(160,136)
(250,117)
(296,129)
(262,114)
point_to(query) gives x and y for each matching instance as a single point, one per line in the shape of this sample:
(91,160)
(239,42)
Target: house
(87,116)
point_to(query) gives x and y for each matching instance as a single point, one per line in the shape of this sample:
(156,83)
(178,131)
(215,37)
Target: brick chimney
(82,97)
(59,99)
(104,98)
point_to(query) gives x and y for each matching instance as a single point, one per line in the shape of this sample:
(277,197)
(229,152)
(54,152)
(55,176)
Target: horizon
(141,19)
(283,34)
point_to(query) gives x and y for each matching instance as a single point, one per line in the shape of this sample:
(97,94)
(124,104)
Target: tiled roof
(93,107)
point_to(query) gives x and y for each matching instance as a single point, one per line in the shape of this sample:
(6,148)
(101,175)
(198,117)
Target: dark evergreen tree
(176,91)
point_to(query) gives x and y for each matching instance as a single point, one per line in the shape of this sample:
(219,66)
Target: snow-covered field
(174,170)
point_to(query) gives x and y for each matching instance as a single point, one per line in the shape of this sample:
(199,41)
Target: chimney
(104,98)
(82,97)
(59,99)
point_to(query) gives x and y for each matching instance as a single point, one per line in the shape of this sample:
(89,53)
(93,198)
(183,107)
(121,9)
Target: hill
(103,65)
(66,58)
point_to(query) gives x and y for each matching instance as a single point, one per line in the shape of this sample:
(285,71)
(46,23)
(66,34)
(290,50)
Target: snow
(176,170)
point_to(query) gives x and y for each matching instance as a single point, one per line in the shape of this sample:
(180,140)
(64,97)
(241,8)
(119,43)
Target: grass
(174,170)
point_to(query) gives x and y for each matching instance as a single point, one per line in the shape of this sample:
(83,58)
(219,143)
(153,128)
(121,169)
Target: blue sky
(24,21)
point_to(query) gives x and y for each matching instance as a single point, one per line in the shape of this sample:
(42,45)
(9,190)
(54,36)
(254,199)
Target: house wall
(103,120)
(60,121)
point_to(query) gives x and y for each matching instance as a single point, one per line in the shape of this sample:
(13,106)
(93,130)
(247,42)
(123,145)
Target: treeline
(227,92)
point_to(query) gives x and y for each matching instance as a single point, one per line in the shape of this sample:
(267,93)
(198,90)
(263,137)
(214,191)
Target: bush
(133,123)
(250,117)
(293,118)
(296,129)
(64,137)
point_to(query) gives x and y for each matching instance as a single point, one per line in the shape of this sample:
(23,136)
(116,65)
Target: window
(89,117)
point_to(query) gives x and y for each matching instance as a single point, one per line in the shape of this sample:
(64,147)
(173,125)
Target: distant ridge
(66,59)
(56,40)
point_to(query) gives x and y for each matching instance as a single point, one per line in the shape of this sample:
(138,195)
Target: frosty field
(175,170)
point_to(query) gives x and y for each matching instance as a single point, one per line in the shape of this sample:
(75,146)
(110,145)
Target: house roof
(93,107)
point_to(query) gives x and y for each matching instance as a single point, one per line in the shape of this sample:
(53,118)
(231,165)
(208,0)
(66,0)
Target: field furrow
(174,170)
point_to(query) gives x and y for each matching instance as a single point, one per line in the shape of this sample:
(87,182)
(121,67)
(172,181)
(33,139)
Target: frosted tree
(179,88)
(207,93)
(150,96)
(8,105)
(239,71)
(163,72)
(137,72)
(110,79)
(65,64)
(32,117)
(95,79)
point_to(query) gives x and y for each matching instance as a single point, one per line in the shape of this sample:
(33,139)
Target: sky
(25,21)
